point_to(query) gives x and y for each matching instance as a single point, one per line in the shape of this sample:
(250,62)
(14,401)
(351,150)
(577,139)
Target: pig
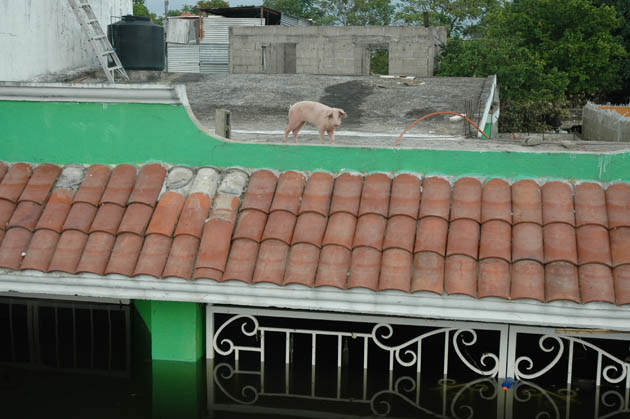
(325,119)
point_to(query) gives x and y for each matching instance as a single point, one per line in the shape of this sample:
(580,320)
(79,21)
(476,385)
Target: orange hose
(438,113)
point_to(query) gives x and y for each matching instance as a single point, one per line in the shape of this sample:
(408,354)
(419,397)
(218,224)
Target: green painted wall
(178,389)
(62,133)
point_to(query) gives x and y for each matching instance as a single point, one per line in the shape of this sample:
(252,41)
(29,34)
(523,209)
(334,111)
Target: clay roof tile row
(550,242)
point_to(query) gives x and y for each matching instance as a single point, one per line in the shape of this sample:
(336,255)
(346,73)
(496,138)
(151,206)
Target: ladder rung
(89,22)
(110,52)
(114,68)
(98,37)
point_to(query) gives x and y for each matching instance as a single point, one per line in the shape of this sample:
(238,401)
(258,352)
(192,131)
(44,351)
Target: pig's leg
(291,127)
(296,130)
(331,135)
(322,139)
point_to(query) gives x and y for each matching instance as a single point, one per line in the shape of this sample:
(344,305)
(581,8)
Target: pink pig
(323,117)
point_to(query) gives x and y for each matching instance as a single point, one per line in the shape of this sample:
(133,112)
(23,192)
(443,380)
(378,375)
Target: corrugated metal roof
(215,29)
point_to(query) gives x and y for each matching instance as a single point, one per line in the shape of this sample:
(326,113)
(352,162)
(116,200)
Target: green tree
(357,12)
(139,8)
(543,53)
(461,18)
(307,9)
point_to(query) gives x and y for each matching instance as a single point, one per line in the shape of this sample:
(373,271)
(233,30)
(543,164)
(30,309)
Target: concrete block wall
(336,50)
(604,125)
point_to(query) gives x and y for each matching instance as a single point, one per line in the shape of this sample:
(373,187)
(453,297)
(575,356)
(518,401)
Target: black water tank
(138,43)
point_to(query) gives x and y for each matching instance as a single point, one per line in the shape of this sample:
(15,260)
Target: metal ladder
(97,38)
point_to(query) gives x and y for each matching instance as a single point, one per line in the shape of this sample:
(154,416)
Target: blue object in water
(507,383)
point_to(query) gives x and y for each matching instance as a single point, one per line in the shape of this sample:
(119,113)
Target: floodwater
(93,360)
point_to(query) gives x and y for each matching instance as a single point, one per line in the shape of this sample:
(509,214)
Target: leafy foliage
(461,18)
(544,52)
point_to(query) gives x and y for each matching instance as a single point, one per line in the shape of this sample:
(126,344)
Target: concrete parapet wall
(334,50)
(599,124)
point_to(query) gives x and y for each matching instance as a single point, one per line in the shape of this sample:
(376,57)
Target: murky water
(93,360)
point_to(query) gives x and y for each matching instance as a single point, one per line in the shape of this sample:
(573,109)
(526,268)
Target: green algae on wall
(70,132)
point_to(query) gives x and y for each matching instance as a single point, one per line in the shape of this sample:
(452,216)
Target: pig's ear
(342,113)
(330,113)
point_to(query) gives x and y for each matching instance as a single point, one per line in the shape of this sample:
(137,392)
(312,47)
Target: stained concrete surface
(379,109)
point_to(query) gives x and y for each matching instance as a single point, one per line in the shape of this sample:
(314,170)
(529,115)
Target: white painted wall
(39,37)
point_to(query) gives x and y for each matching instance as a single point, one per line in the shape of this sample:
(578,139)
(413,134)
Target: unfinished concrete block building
(333,50)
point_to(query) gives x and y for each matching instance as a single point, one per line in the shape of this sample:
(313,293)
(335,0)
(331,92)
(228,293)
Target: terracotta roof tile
(428,272)
(26,215)
(334,262)
(340,230)
(494,278)
(375,195)
(224,208)
(96,253)
(124,254)
(400,233)
(271,262)
(527,242)
(13,246)
(148,185)
(370,231)
(3,170)
(41,182)
(618,204)
(466,199)
(166,214)
(496,201)
(288,192)
(436,198)
(215,244)
(593,245)
(107,218)
(310,228)
(181,259)
(460,274)
(280,225)
(528,280)
(81,216)
(120,184)
(346,194)
(153,255)
(136,219)
(621,275)
(620,245)
(396,269)
(590,205)
(40,250)
(208,273)
(260,191)
(431,235)
(365,267)
(496,240)
(405,198)
(596,283)
(242,261)
(6,211)
(68,252)
(302,264)
(560,243)
(14,181)
(251,224)
(557,201)
(317,193)
(56,210)
(526,202)
(463,238)
(193,215)
(93,185)
(561,282)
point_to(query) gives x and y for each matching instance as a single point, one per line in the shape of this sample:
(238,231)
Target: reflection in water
(93,360)
(234,392)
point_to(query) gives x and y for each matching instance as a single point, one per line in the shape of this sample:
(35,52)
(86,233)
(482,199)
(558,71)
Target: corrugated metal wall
(211,55)
(183,58)
(216,40)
